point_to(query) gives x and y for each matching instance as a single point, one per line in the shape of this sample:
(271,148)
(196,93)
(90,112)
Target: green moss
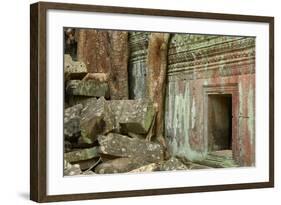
(149,117)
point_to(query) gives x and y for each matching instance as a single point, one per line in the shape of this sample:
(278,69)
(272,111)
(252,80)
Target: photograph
(146,101)
(130,101)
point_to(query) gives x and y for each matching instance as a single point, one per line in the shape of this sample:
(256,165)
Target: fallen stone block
(71,100)
(72,121)
(134,135)
(86,164)
(80,155)
(124,146)
(132,115)
(81,144)
(147,168)
(91,88)
(119,165)
(67,146)
(96,119)
(73,69)
(71,170)
(88,172)
(106,157)
(172,164)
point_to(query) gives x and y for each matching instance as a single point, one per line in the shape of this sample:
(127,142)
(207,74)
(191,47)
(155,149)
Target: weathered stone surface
(72,121)
(96,119)
(71,100)
(119,165)
(134,135)
(132,115)
(138,43)
(118,83)
(147,168)
(192,165)
(219,159)
(172,164)
(86,164)
(88,172)
(90,88)
(80,155)
(70,43)
(123,146)
(136,165)
(93,48)
(101,77)
(73,69)
(198,166)
(67,146)
(197,63)
(71,170)
(99,117)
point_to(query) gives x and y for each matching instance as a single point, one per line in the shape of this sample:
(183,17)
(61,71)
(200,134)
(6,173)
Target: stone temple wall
(138,45)
(199,66)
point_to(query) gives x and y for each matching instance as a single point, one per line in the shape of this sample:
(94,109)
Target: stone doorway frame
(221,89)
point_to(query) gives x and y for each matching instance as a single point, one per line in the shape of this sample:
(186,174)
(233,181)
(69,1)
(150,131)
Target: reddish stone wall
(196,64)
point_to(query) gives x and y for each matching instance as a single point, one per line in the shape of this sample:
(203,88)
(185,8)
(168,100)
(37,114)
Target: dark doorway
(219,122)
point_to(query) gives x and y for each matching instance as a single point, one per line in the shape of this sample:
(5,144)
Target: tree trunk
(119,52)
(106,52)
(93,50)
(157,67)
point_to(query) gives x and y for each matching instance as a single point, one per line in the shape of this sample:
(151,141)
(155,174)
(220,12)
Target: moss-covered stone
(96,119)
(80,155)
(73,69)
(71,170)
(122,146)
(91,88)
(132,115)
(72,121)
(172,164)
(119,165)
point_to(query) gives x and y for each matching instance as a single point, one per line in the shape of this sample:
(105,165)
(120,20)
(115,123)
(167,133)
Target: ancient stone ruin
(142,102)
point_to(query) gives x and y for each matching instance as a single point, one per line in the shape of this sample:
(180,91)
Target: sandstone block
(73,69)
(96,119)
(119,165)
(80,155)
(72,121)
(91,88)
(172,164)
(123,146)
(132,115)
(70,170)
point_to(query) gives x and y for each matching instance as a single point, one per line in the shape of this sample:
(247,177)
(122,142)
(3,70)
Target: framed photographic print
(134,102)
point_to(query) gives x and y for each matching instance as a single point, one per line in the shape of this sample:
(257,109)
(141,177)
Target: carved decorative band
(232,69)
(207,52)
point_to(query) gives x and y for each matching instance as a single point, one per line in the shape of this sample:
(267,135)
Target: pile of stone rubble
(108,136)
